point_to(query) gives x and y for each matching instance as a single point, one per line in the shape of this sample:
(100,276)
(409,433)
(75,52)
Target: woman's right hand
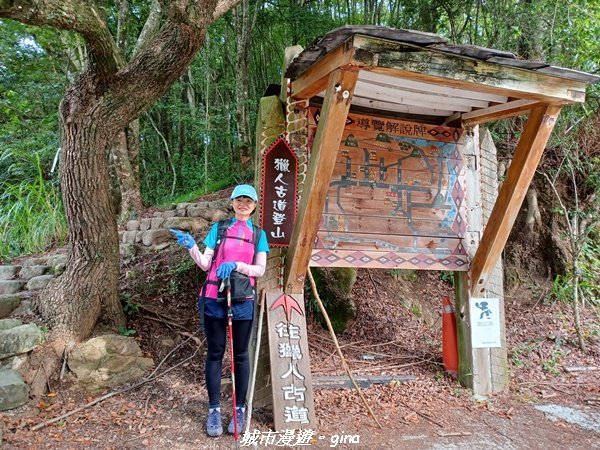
(184,239)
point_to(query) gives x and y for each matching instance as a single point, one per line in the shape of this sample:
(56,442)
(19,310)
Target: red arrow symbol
(287,303)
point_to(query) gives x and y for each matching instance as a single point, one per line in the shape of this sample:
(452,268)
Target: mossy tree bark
(106,96)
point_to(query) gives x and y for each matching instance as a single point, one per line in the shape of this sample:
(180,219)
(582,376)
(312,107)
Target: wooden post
(526,158)
(293,405)
(338,97)
(270,125)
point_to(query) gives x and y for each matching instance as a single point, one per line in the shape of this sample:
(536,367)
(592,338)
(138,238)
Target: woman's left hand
(225,269)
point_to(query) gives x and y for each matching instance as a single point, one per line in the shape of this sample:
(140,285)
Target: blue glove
(225,269)
(184,239)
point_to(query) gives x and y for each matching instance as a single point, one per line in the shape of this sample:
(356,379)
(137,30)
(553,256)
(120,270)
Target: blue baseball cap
(244,190)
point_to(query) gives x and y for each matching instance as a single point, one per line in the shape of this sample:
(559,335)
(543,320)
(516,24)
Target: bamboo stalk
(337,346)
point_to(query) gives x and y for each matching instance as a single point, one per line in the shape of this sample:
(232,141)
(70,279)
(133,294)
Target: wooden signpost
(293,406)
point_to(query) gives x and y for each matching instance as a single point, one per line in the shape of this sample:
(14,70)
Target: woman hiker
(241,255)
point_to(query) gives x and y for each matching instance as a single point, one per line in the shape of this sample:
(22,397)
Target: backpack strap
(221,235)
(255,239)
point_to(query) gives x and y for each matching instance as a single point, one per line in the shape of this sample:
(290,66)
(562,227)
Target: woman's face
(243,207)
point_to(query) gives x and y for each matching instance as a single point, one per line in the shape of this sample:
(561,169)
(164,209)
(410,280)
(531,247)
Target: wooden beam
(430,88)
(427,65)
(497,112)
(512,192)
(406,97)
(395,107)
(338,97)
(314,79)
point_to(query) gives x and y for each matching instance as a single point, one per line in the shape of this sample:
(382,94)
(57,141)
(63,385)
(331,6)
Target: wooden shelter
(393,172)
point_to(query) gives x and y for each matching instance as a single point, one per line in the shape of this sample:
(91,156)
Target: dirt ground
(553,400)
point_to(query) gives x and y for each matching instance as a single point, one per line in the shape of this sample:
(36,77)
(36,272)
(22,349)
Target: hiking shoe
(240,421)
(214,427)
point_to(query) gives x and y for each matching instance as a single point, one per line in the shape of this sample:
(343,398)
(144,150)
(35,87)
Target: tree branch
(73,15)
(223,6)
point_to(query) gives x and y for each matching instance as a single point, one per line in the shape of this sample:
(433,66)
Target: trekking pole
(227,283)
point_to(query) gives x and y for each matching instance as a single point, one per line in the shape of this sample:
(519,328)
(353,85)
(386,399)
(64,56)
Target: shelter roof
(421,76)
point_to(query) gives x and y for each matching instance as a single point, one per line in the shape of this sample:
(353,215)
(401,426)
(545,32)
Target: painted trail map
(395,199)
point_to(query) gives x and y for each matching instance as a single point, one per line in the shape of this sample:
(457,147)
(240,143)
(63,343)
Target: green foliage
(551,364)
(31,215)
(334,286)
(124,331)
(130,308)
(447,277)
(520,355)
(403,274)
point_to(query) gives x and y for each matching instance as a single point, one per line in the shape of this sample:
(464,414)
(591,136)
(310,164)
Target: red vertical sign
(279,193)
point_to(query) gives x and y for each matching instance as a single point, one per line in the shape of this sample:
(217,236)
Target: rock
(37,261)
(218,215)
(28,272)
(171,213)
(23,308)
(189,224)
(8,272)
(8,303)
(38,283)
(156,222)
(57,269)
(145,224)
(155,237)
(194,211)
(13,362)
(14,392)
(19,339)
(7,324)
(160,247)
(108,361)
(127,250)
(132,225)
(59,259)
(129,237)
(11,286)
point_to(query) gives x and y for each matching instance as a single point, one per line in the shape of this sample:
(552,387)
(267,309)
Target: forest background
(199,135)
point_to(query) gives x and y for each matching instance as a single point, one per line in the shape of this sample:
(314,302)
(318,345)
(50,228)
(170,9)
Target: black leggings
(216,332)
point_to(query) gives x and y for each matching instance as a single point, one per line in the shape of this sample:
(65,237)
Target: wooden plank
(497,112)
(395,243)
(512,192)
(382,106)
(406,97)
(362,125)
(363,381)
(427,65)
(431,88)
(387,260)
(384,225)
(337,102)
(314,79)
(293,403)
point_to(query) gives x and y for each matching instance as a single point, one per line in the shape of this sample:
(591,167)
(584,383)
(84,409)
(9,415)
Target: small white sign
(485,322)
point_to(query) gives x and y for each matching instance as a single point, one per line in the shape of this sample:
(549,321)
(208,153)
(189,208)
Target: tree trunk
(125,153)
(244,26)
(88,290)
(102,101)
